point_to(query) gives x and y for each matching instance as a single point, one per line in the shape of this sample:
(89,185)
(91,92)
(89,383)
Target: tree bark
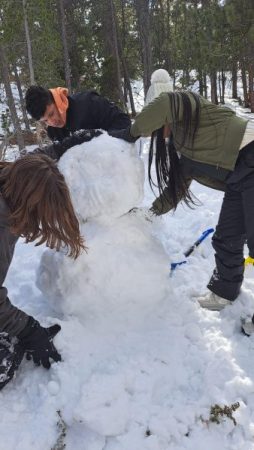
(29,45)
(111,77)
(205,84)
(213,79)
(200,81)
(127,82)
(143,15)
(10,99)
(251,91)
(223,83)
(67,68)
(234,80)
(245,89)
(21,98)
(222,80)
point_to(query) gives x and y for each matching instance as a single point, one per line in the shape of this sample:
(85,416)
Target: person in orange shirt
(64,114)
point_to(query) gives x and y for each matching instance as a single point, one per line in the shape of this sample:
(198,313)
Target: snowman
(125,267)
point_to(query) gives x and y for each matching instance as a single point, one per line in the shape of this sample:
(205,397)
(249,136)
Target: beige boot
(213,302)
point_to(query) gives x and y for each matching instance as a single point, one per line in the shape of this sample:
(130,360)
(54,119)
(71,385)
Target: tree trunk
(244,82)
(111,73)
(186,78)
(39,126)
(234,80)
(251,92)
(213,79)
(127,82)
(10,99)
(28,43)
(220,86)
(67,68)
(222,81)
(201,82)
(143,15)
(223,85)
(21,98)
(205,85)
(128,85)
(168,62)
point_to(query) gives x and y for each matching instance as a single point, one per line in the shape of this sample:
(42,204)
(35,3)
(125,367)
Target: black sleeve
(12,319)
(57,134)
(107,114)
(57,149)
(123,134)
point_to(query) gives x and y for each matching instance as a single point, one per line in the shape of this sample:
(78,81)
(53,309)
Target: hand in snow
(37,343)
(143,212)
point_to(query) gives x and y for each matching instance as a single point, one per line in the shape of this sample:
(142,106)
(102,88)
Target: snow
(142,362)
(107,173)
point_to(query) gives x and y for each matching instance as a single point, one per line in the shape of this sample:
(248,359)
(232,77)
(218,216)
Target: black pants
(235,227)
(11,355)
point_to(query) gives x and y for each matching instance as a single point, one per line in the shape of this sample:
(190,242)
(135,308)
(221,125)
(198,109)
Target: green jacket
(163,203)
(216,145)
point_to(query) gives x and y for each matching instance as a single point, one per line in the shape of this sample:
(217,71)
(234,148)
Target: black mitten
(124,134)
(78,137)
(37,342)
(57,149)
(86,135)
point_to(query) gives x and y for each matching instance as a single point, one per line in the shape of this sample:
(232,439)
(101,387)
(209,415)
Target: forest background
(105,45)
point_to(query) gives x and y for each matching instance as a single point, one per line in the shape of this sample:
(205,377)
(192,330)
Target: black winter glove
(57,149)
(37,342)
(124,134)
(78,137)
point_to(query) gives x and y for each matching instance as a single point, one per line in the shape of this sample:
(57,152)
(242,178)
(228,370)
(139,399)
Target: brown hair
(40,203)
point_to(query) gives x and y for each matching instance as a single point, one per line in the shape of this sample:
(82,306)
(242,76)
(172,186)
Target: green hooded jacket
(216,144)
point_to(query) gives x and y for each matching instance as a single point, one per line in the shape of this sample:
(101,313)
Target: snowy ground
(142,370)
(142,363)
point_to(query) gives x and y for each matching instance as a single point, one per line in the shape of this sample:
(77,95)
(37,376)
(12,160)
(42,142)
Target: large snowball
(105,177)
(125,266)
(125,269)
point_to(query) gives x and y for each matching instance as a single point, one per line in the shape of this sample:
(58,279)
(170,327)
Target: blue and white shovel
(192,248)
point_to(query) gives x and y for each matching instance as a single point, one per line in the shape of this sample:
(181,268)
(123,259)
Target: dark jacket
(89,110)
(12,320)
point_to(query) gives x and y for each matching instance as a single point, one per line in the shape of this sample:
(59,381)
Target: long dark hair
(167,164)
(40,203)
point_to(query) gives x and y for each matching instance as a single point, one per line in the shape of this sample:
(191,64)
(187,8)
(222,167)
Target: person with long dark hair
(197,140)
(35,204)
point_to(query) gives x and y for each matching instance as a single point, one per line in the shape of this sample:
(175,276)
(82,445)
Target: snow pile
(142,362)
(119,272)
(105,176)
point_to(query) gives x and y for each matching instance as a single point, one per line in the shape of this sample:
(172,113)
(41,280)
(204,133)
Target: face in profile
(52,117)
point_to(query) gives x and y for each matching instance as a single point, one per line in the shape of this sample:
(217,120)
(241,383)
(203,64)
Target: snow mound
(125,267)
(125,264)
(105,177)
